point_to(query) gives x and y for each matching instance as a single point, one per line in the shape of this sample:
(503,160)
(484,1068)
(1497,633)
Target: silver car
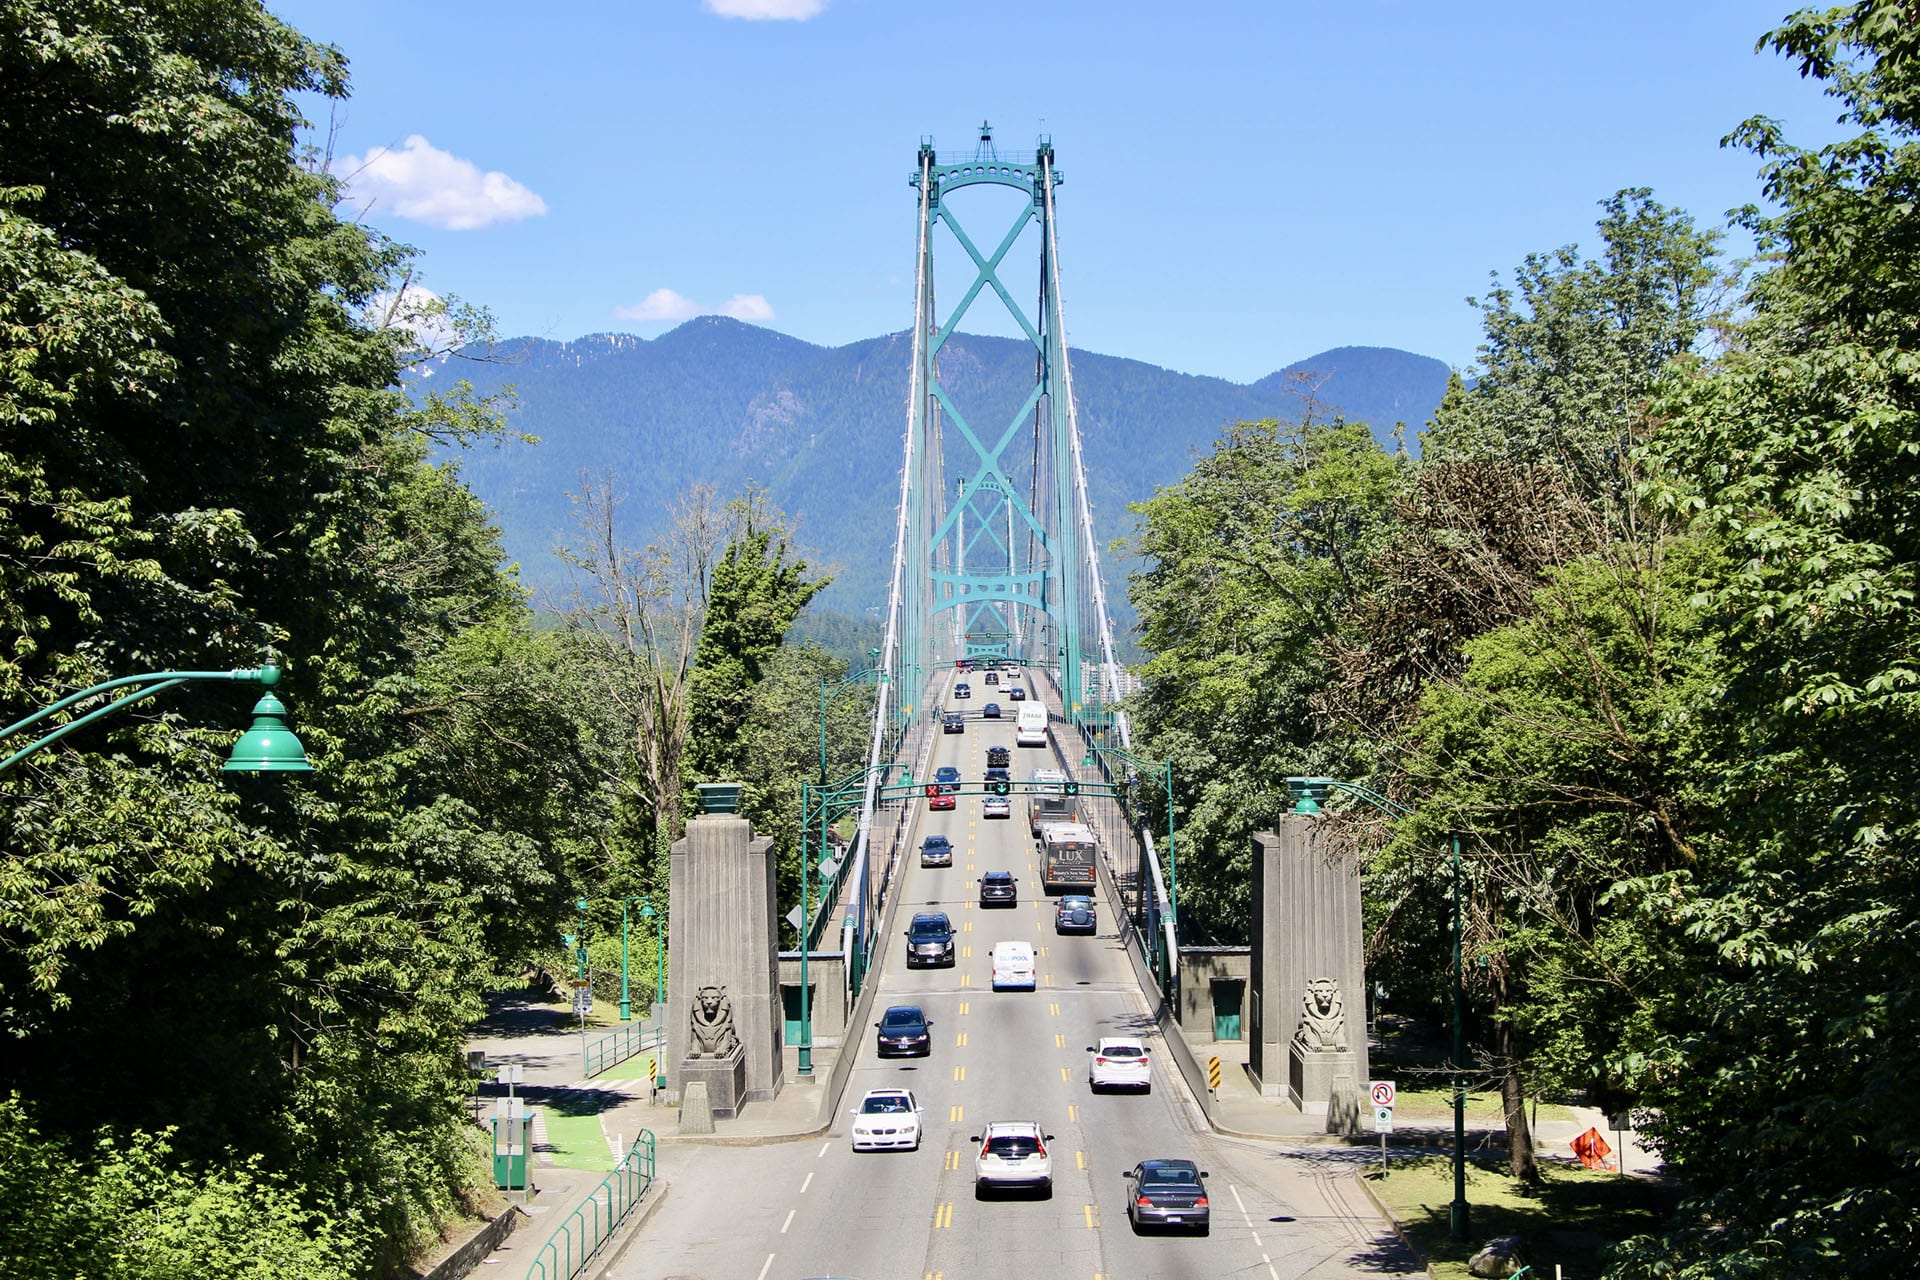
(996,807)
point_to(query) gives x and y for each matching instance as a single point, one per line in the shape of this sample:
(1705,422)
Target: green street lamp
(1163,770)
(659,950)
(1307,793)
(626,988)
(268,747)
(580,951)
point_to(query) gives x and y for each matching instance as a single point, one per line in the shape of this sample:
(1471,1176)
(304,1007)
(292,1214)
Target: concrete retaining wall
(463,1261)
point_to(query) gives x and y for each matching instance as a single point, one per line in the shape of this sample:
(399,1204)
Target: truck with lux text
(1066,856)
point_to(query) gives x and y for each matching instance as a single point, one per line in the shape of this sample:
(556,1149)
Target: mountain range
(821,428)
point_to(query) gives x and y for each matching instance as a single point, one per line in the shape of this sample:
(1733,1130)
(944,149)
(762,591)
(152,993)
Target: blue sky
(1245,184)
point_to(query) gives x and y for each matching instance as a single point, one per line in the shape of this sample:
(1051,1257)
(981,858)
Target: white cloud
(762,10)
(422,183)
(665,304)
(420,311)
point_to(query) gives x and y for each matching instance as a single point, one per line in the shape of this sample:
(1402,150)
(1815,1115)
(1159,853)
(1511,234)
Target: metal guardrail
(617,1046)
(582,1233)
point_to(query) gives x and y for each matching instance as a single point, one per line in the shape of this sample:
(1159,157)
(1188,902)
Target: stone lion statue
(713,1033)
(1323,1020)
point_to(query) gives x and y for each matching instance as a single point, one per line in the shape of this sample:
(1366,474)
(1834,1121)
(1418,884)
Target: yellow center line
(966,953)
(1059,1041)
(960,1042)
(943,1216)
(953,1157)
(1079,1159)
(1063,1073)
(1054,1009)
(1093,1220)
(964,1006)
(953,1117)
(1073,1112)
(959,1074)
(966,979)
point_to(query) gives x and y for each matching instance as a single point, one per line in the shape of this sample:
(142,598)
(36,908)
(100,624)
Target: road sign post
(1383,1095)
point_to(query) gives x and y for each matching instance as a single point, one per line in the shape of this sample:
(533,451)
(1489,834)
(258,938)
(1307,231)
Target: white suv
(1118,1063)
(1013,1155)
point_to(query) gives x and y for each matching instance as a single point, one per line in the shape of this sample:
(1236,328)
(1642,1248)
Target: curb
(629,1232)
(1380,1207)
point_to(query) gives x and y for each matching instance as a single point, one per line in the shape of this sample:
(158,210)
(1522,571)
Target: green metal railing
(582,1233)
(619,1045)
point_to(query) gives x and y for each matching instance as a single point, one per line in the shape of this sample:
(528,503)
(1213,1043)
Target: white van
(1013,965)
(1030,726)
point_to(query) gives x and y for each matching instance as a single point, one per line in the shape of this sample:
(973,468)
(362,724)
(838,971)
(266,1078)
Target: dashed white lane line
(807,1183)
(764,1268)
(788,1222)
(824,1148)
(1255,1234)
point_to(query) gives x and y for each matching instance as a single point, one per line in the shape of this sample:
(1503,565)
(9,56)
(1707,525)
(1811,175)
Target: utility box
(512,1142)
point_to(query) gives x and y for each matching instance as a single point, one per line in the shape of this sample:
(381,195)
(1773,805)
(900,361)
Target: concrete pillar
(1306,925)
(721,882)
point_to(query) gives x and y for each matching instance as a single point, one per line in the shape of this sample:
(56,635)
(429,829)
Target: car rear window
(1123,1051)
(1012,1148)
(1169,1177)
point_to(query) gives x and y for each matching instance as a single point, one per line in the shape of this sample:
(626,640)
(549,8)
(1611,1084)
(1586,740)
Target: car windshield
(933,927)
(1169,1176)
(882,1106)
(1012,1148)
(904,1019)
(936,842)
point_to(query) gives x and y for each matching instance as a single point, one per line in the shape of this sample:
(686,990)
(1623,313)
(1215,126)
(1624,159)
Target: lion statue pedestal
(717,1060)
(1321,1065)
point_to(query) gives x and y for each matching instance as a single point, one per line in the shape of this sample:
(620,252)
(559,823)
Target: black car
(936,851)
(1075,914)
(999,757)
(930,940)
(1016,693)
(998,889)
(997,773)
(904,1032)
(953,722)
(993,677)
(1167,1193)
(990,712)
(963,690)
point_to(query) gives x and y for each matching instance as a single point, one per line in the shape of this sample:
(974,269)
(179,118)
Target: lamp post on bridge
(1163,772)
(1307,794)
(825,797)
(268,747)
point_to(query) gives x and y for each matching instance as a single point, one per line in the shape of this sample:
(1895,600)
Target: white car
(1013,1155)
(996,807)
(888,1120)
(1119,1062)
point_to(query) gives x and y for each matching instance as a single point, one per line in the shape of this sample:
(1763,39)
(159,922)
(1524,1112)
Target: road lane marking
(954,1117)
(789,1221)
(1054,1009)
(1079,1159)
(953,1157)
(1063,1073)
(1093,1219)
(1059,1041)
(963,1006)
(960,1042)
(967,927)
(943,1216)
(966,979)
(764,1268)
(966,953)
(1073,1112)
(824,1148)
(1046,979)
(959,1074)
(804,1185)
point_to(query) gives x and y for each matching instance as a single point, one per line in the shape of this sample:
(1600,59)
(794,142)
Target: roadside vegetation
(1638,625)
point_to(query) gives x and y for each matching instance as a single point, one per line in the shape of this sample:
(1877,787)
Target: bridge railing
(583,1233)
(618,1045)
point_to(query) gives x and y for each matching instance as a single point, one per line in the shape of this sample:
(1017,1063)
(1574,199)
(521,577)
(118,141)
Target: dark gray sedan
(1167,1193)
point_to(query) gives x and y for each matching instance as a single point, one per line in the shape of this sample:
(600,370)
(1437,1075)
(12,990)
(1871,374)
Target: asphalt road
(794,1210)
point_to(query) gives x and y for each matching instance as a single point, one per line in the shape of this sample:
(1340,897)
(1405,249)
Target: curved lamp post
(1163,770)
(1307,793)
(268,747)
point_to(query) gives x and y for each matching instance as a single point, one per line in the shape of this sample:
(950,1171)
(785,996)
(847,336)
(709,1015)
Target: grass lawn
(1575,1214)
(1423,1106)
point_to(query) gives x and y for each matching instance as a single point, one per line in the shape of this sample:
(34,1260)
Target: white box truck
(1030,728)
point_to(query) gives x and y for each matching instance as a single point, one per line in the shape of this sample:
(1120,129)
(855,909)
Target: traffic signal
(1073,788)
(999,786)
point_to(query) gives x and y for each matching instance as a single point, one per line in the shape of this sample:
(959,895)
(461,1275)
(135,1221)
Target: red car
(938,797)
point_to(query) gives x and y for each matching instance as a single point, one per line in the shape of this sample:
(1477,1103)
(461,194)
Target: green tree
(1774,1062)
(1252,560)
